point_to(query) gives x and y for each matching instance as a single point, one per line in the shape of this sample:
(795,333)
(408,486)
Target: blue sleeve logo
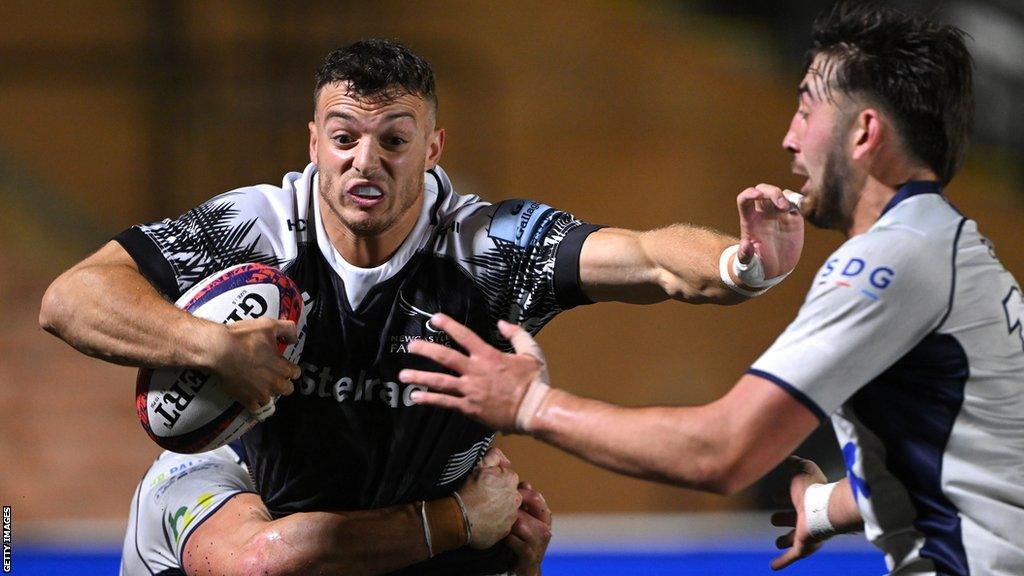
(522,222)
(879,277)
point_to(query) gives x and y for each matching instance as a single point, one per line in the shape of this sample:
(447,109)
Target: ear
(312,142)
(434,148)
(868,133)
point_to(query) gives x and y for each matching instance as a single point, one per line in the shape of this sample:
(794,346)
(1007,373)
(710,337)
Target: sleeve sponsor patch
(522,222)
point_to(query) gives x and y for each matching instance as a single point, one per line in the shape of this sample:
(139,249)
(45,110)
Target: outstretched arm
(241,538)
(720,447)
(682,261)
(104,307)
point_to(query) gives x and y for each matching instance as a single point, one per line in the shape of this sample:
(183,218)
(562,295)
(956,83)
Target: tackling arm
(241,538)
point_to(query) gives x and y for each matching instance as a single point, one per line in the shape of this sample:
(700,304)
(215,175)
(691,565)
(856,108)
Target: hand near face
(770,229)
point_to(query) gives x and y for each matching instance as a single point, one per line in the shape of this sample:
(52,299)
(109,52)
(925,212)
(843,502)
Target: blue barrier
(105,562)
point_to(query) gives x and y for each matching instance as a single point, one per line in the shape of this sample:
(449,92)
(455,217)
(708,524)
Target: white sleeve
(177,494)
(877,296)
(246,225)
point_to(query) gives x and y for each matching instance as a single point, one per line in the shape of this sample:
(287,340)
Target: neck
(876,193)
(369,251)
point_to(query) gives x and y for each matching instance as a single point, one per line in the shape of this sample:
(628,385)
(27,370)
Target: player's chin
(366,221)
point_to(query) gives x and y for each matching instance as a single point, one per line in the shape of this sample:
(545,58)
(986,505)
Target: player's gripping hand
(531,533)
(798,542)
(491,501)
(489,385)
(771,227)
(244,355)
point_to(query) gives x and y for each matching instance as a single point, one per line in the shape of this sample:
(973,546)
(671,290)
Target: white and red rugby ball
(185,410)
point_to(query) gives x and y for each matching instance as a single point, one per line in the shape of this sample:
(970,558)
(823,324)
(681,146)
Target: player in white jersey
(186,503)
(910,336)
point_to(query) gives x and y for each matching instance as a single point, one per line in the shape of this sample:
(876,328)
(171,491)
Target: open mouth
(367,192)
(366,195)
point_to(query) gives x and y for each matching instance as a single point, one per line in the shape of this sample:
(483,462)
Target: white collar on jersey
(358,281)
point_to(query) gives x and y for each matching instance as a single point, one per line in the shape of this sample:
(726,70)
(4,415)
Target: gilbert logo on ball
(185,410)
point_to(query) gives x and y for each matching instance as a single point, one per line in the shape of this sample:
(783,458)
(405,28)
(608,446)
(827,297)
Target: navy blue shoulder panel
(912,407)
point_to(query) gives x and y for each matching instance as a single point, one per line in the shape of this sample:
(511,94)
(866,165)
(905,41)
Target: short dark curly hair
(377,69)
(918,70)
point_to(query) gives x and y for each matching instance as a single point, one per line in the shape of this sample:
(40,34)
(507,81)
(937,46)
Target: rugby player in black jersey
(376,238)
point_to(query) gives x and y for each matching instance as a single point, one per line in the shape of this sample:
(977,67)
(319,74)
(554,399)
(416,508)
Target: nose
(789,141)
(366,157)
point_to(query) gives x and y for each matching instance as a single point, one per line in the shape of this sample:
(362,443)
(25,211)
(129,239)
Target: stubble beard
(371,227)
(834,207)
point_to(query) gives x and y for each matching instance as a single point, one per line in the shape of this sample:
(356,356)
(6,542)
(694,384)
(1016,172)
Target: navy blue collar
(912,188)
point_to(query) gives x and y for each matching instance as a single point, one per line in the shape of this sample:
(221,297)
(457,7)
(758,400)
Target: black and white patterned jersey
(349,437)
(175,496)
(911,339)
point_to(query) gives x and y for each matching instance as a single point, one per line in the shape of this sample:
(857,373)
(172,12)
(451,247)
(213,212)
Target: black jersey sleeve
(524,255)
(234,228)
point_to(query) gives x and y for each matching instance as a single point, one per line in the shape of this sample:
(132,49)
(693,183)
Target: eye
(395,141)
(803,113)
(342,139)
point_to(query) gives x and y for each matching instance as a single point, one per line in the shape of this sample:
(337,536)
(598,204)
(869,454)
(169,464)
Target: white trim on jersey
(358,281)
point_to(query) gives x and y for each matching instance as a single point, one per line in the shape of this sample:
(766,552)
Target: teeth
(366,191)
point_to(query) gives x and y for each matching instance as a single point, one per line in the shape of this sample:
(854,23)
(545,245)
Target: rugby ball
(184,410)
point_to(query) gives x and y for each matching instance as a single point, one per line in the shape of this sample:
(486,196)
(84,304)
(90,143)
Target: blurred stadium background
(630,113)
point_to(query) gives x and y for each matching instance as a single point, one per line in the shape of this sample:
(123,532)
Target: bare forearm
(720,447)
(108,310)
(662,444)
(688,259)
(346,543)
(678,262)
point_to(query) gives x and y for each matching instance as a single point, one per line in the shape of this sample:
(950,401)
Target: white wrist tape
(816,499)
(750,274)
(532,400)
(723,269)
